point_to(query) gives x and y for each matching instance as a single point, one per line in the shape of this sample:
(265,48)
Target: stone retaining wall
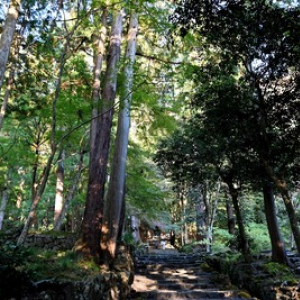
(50,242)
(105,286)
(252,277)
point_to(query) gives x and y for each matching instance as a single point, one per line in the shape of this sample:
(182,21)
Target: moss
(243,294)
(41,264)
(206,267)
(52,233)
(278,271)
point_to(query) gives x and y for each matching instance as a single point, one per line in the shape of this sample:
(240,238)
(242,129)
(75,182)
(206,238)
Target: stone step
(162,268)
(169,258)
(184,285)
(176,277)
(182,295)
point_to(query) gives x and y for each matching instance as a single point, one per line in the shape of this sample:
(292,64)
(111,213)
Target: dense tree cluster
(247,101)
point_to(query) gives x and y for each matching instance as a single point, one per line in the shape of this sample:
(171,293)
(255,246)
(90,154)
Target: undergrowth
(40,264)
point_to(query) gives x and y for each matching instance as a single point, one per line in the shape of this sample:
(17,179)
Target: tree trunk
(38,193)
(200,223)
(36,200)
(6,96)
(281,186)
(278,249)
(59,195)
(7,36)
(93,213)
(4,200)
(21,172)
(116,189)
(100,143)
(184,228)
(135,224)
(59,220)
(242,237)
(212,218)
(230,216)
(122,219)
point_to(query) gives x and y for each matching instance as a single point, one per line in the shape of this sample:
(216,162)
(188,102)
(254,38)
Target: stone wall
(262,285)
(104,286)
(50,242)
(253,278)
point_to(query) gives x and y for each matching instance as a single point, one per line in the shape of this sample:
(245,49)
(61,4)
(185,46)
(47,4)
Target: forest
(120,116)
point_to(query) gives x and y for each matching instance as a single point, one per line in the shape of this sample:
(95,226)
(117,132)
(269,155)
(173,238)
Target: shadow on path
(167,275)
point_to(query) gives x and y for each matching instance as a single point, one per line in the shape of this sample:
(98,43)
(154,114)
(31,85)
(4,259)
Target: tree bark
(274,176)
(59,193)
(4,198)
(200,224)
(242,237)
(122,218)
(116,189)
(89,242)
(36,200)
(278,248)
(6,96)
(100,143)
(59,220)
(134,224)
(212,218)
(7,36)
(230,216)
(281,186)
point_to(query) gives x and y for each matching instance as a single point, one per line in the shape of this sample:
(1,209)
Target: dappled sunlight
(46,264)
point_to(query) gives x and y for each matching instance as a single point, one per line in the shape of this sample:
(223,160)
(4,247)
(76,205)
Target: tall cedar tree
(92,221)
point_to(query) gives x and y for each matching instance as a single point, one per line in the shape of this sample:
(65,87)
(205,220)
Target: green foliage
(222,239)
(41,264)
(279,271)
(13,256)
(259,239)
(128,239)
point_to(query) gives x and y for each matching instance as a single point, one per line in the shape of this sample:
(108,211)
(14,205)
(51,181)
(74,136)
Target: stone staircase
(173,276)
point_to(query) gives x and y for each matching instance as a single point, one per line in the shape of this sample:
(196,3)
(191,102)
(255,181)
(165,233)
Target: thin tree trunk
(200,224)
(116,189)
(6,96)
(36,200)
(92,222)
(7,36)
(134,224)
(184,236)
(278,248)
(122,218)
(230,215)
(59,193)
(70,196)
(242,237)
(21,188)
(44,177)
(4,198)
(212,218)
